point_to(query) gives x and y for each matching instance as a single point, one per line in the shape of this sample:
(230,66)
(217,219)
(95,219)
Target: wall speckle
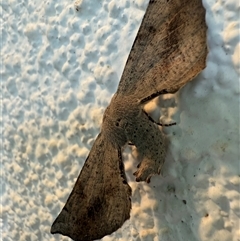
(61,64)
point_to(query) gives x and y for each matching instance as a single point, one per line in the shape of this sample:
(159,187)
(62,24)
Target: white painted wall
(60,68)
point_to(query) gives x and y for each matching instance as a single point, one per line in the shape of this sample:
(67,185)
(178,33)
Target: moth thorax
(114,131)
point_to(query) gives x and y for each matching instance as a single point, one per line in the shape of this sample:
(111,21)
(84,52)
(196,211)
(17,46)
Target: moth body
(125,121)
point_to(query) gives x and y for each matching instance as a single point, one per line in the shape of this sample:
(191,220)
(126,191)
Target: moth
(170,49)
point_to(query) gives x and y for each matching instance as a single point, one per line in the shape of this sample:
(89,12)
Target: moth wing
(170,48)
(100,201)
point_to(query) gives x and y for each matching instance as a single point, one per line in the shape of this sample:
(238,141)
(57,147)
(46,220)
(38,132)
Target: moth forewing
(100,201)
(170,49)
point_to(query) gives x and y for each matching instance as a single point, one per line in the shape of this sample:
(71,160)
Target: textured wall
(61,63)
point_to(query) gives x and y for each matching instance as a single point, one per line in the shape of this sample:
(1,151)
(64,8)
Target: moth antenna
(154,95)
(157,123)
(158,93)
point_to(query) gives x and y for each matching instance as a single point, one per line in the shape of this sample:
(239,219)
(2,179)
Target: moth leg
(158,93)
(157,123)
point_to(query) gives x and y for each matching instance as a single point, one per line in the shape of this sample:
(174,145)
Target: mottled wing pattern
(170,48)
(100,201)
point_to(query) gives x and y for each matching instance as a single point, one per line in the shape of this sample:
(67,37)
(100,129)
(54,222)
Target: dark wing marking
(170,49)
(100,200)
